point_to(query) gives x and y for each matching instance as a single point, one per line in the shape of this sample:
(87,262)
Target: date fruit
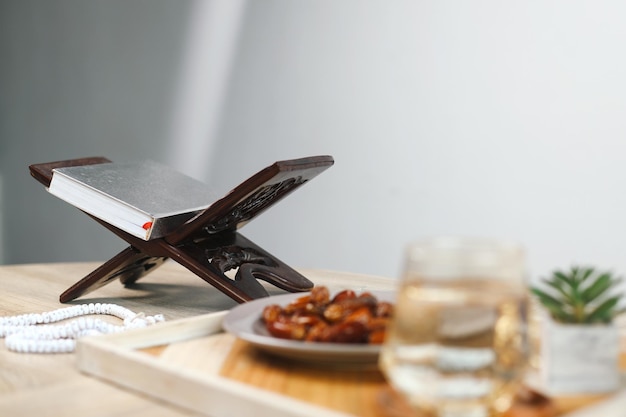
(347,317)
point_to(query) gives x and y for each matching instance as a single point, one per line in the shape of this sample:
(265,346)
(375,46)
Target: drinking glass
(457,345)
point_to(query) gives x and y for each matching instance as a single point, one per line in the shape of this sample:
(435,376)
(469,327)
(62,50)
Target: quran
(146,199)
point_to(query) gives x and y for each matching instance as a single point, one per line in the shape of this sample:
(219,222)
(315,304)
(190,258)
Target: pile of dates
(347,317)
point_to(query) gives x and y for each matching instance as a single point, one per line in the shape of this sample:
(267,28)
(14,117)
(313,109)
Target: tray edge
(114,358)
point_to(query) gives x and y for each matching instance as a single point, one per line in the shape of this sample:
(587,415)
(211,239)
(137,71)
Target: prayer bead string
(33,333)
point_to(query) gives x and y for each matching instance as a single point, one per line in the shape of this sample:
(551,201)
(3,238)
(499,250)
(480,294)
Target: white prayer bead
(22,333)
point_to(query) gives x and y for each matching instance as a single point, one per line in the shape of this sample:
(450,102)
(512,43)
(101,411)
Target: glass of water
(458,343)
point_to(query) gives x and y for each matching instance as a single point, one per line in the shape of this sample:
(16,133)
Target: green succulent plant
(581,295)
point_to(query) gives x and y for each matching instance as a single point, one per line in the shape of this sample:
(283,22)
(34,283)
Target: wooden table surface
(50,384)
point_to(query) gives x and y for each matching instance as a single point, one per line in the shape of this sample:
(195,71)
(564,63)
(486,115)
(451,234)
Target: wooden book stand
(208,245)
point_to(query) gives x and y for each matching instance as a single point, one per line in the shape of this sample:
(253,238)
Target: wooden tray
(193,364)
(181,362)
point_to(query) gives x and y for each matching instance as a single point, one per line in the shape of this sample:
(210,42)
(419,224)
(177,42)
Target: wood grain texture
(186,371)
(214,360)
(53,385)
(350,391)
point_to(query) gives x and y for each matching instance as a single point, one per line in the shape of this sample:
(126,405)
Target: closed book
(146,199)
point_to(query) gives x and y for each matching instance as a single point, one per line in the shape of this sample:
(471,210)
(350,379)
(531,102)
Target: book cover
(145,198)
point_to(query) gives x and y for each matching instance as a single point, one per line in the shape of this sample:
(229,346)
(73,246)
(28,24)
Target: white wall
(476,118)
(479,118)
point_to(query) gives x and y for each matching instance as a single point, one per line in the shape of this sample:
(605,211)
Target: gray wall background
(79,79)
(473,118)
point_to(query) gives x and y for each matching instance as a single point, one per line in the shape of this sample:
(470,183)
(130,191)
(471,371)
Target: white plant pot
(578,359)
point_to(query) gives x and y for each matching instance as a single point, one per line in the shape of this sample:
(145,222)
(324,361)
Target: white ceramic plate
(244,321)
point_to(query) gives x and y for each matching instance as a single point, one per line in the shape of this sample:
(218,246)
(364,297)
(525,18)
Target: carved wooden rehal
(209,245)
